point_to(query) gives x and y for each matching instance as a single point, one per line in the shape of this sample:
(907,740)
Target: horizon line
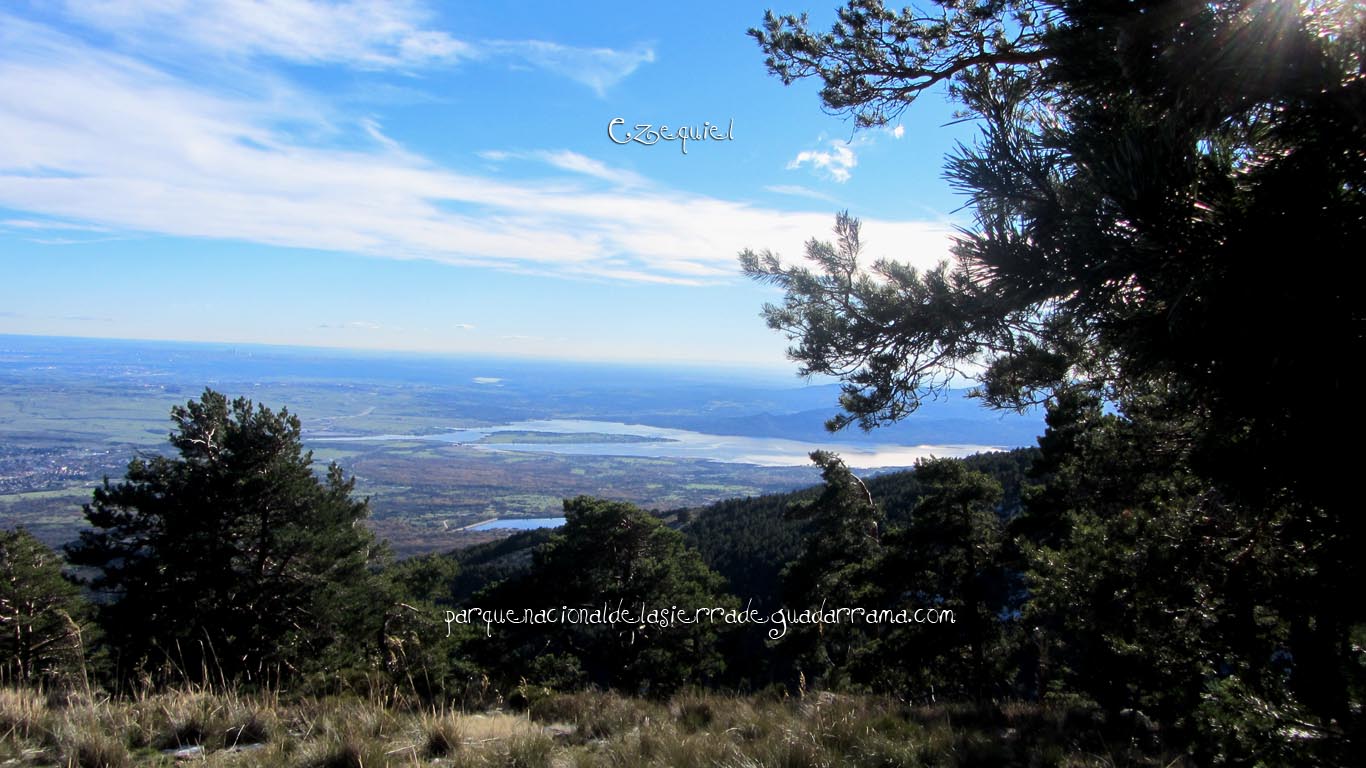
(693,365)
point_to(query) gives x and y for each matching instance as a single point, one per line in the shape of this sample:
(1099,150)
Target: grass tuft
(444,736)
(23,712)
(97,750)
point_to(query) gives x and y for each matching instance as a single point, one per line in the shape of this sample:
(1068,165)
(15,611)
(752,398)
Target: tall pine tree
(232,560)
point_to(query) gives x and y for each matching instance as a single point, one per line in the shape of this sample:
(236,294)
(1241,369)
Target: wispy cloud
(73,240)
(58,233)
(361,34)
(372,129)
(49,225)
(597,68)
(103,140)
(796,190)
(359,325)
(574,162)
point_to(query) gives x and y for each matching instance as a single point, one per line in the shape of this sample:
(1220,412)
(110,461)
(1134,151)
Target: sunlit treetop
(1164,197)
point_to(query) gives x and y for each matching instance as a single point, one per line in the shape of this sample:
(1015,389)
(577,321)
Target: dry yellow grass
(574,730)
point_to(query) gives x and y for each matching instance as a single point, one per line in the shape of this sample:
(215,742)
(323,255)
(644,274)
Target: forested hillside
(749,541)
(928,586)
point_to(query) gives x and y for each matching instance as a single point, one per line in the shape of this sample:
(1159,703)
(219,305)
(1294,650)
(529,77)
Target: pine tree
(233,559)
(844,538)
(1163,194)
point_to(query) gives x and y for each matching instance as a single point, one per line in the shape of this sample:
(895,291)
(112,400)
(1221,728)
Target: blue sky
(428,176)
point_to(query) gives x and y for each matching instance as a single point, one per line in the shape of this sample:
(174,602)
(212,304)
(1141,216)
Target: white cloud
(834,164)
(898,131)
(101,140)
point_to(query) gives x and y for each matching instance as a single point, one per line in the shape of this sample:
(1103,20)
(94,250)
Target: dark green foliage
(415,651)
(1142,172)
(876,60)
(1153,592)
(43,632)
(233,559)
(950,556)
(609,554)
(427,578)
(417,654)
(1121,587)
